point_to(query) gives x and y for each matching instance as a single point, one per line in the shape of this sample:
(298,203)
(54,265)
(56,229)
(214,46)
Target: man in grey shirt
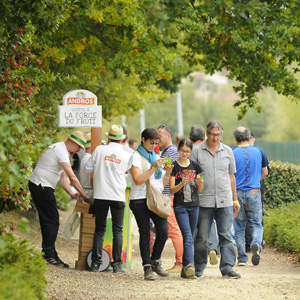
(218,200)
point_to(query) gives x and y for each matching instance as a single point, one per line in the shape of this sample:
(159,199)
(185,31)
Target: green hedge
(281,227)
(282,184)
(22,269)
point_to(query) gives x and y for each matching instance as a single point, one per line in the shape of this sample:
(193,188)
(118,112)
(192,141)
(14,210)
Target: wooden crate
(82,207)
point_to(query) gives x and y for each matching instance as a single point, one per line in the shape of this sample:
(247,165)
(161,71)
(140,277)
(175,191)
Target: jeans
(142,216)
(117,212)
(251,209)
(45,203)
(213,241)
(187,219)
(223,217)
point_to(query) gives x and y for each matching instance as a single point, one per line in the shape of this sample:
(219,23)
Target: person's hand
(87,199)
(168,169)
(185,180)
(75,196)
(158,163)
(199,181)
(236,209)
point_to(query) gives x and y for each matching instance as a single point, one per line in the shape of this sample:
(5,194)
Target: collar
(220,148)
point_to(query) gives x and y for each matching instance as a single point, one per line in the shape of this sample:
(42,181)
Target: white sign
(80,109)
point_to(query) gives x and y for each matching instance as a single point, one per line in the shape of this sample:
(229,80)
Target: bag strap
(144,168)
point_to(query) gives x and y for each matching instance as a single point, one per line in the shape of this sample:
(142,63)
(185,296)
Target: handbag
(157,202)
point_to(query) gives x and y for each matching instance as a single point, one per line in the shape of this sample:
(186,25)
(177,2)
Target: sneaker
(156,267)
(241,264)
(188,272)
(232,275)
(61,262)
(255,254)
(55,262)
(199,273)
(94,267)
(263,244)
(118,269)
(212,257)
(175,269)
(148,274)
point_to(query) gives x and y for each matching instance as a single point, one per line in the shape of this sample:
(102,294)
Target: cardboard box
(82,207)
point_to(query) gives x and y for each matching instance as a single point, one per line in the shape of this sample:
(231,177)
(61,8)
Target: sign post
(80,109)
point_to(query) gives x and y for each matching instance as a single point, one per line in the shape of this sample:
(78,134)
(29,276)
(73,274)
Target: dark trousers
(117,212)
(143,215)
(45,203)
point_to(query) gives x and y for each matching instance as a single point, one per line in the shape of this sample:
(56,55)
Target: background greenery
(22,269)
(281,227)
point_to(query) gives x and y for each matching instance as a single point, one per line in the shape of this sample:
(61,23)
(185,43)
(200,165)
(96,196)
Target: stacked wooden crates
(86,235)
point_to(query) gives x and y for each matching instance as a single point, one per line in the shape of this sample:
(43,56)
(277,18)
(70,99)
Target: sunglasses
(153,143)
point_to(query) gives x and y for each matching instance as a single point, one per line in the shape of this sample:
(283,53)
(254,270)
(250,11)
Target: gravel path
(277,277)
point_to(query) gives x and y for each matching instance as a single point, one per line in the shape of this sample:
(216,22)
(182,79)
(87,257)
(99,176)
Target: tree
(256,41)
(22,25)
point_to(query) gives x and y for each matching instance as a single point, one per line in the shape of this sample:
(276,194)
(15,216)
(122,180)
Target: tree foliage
(129,53)
(21,76)
(256,41)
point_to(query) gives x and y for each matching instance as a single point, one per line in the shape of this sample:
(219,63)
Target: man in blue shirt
(249,173)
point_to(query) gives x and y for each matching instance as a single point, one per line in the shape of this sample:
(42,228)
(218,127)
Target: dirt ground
(276,277)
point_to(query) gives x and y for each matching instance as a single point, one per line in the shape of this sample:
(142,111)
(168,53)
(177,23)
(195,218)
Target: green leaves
(281,227)
(253,40)
(282,185)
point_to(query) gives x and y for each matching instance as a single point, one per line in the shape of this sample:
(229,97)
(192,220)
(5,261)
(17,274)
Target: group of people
(213,190)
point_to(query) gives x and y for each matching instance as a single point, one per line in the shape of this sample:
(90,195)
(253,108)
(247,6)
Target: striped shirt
(172,153)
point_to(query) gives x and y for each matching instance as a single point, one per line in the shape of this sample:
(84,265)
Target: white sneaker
(241,264)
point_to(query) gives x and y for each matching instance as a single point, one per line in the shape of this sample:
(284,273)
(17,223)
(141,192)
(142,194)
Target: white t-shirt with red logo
(109,164)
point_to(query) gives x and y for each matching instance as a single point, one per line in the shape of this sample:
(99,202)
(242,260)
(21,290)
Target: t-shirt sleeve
(232,167)
(265,161)
(62,155)
(136,161)
(90,163)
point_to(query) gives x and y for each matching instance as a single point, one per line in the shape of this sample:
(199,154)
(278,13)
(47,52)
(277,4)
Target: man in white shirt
(109,164)
(51,168)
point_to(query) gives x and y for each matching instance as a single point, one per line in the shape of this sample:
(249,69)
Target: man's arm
(236,205)
(264,173)
(73,180)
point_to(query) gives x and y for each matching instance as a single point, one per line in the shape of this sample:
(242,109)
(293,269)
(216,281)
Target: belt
(138,201)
